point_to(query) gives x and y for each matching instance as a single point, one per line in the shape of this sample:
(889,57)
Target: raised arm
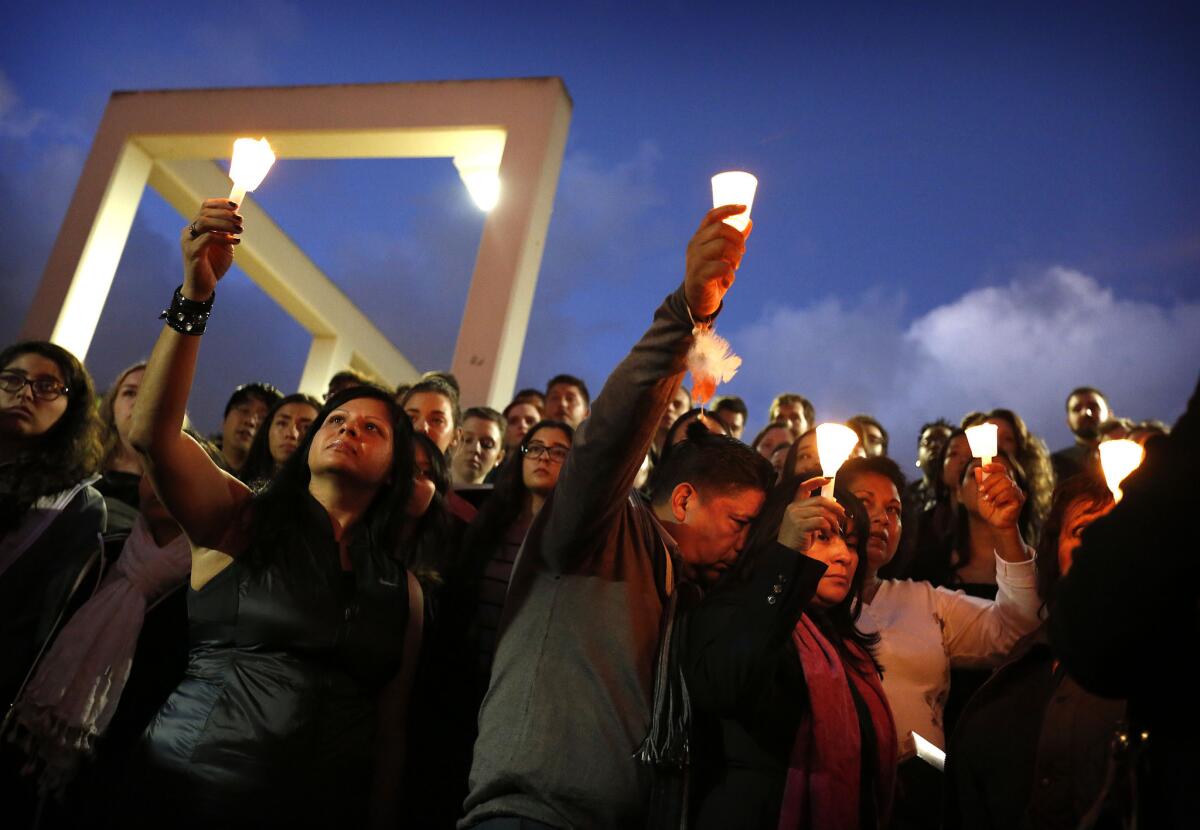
(610,446)
(203,498)
(978,632)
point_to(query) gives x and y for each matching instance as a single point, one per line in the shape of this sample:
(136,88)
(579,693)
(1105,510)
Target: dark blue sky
(941,189)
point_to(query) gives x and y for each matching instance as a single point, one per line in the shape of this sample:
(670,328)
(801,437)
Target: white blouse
(924,631)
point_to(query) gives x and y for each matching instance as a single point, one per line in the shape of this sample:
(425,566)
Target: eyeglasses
(44,389)
(538,450)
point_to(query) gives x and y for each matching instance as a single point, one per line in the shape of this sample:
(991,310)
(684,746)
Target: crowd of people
(384,609)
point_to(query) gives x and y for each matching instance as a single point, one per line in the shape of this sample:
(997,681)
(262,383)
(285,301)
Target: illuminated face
(564,402)
(882,501)
(521,417)
(24,415)
(478,452)
(807,457)
(289,425)
(1079,514)
(792,414)
(242,422)
(712,531)
(680,403)
(126,397)
(424,487)
(736,422)
(771,441)
(539,465)
(1085,413)
(958,456)
(354,441)
(841,560)
(433,414)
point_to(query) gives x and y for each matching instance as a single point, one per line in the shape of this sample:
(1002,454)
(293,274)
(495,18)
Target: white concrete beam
(282,270)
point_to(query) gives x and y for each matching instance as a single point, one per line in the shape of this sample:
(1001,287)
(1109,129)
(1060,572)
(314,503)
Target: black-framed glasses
(44,389)
(538,450)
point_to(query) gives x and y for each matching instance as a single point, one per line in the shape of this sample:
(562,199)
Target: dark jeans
(511,823)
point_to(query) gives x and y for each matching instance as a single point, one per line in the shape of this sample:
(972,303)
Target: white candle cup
(251,161)
(735,188)
(835,442)
(1119,458)
(982,438)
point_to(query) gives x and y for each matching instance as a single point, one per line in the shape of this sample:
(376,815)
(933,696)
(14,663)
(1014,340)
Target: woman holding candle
(924,631)
(1030,453)
(792,728)
(305,628)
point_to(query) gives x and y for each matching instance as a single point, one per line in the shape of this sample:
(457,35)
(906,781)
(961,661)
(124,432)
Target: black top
(1031,749)
(747,690)
(36,591)
(274,722)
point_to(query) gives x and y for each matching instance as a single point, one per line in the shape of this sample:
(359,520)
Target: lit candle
(835,442)
(1119,458)
(735,188)
(982,438)
(251,161)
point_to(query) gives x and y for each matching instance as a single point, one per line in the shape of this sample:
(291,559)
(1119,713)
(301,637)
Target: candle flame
(1119,458)
(251,162)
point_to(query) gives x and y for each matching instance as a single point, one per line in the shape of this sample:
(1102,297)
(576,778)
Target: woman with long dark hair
(51,517)
(792,725)
(493,539)
(286,423)
(305,628)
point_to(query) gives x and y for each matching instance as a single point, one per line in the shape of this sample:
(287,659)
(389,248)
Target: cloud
(1023,345)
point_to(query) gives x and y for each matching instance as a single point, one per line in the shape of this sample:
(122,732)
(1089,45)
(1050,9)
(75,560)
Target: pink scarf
(822,788)
(72,697)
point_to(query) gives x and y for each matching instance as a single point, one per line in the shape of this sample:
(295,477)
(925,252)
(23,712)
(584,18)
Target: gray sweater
(572,681)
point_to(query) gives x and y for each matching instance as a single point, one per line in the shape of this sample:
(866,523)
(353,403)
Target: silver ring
(192,229)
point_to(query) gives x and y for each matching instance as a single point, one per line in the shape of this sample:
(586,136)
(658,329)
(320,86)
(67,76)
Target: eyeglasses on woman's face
(536,450)
(44,389)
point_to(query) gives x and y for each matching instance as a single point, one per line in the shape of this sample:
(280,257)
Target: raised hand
(808,515)
(713,256)
(207,246)
(999,498)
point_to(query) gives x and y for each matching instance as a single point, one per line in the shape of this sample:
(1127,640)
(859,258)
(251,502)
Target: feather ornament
(711,362)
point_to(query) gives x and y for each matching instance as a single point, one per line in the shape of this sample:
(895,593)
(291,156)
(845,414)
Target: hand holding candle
(251,161)
(735,188)
(1119,459)
(982,438)
(835,442)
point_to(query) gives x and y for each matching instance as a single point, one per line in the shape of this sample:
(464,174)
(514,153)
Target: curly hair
(111,438)
(1034,459)
(67,453)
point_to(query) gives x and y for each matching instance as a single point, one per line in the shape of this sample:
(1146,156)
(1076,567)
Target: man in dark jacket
(1126,624)
(572,683)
